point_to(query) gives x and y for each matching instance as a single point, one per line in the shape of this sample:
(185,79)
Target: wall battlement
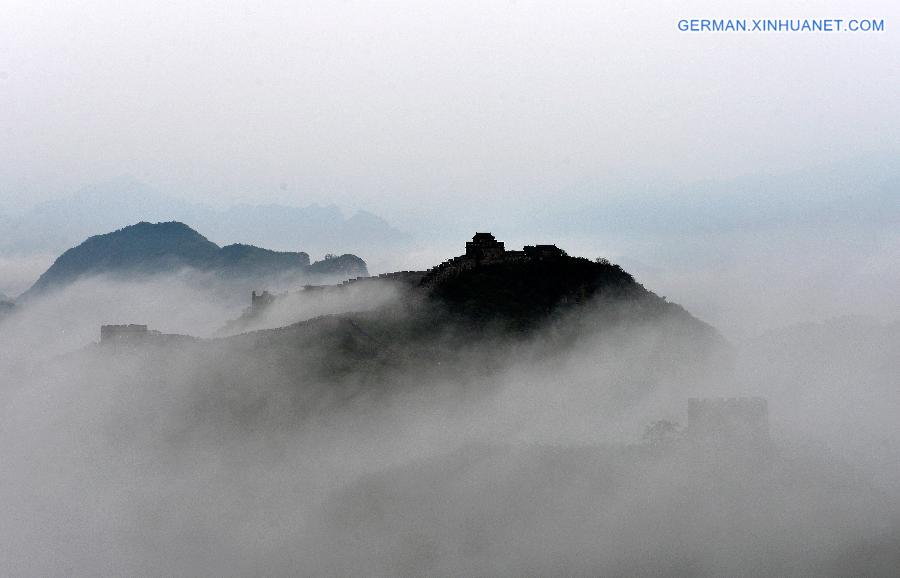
(135,335)
(412,278)
(484,249)
(131,332)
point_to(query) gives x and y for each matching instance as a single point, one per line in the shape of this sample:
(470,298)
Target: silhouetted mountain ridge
(466,316)
(154,248)
(534,288)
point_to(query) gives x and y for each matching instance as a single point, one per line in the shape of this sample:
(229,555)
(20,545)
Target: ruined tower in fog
(261,300)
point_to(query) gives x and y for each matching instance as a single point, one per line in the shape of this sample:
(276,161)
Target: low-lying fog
(123,462)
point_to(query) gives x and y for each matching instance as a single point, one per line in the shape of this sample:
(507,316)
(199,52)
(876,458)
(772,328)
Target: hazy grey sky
(414,105)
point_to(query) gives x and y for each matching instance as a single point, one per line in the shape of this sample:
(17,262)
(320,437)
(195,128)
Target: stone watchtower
(261,300)
(484,247)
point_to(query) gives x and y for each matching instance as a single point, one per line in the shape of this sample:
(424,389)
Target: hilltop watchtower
(483,247)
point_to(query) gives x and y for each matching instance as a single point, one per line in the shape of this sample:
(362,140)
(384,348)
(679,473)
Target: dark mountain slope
(467,330)
(143,248)
(526,291)
(242,260)
(154,248)
(463,322)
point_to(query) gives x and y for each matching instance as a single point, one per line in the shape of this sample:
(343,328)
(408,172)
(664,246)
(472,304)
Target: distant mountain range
(53,226)
(149,249)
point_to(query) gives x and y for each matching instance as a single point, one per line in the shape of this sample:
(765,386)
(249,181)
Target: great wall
(730,421)
(484,249)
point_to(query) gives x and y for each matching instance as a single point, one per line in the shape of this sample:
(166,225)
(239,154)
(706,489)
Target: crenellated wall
(111,333)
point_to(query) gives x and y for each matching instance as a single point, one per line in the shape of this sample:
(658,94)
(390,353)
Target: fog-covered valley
(246,329)
(470,428)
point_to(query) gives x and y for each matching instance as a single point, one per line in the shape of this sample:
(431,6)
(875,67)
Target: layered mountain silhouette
(154,248)
(462,320)
(492,285)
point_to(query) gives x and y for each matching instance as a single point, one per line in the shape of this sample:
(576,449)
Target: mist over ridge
(826,224)
(51,227)
(493,414)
